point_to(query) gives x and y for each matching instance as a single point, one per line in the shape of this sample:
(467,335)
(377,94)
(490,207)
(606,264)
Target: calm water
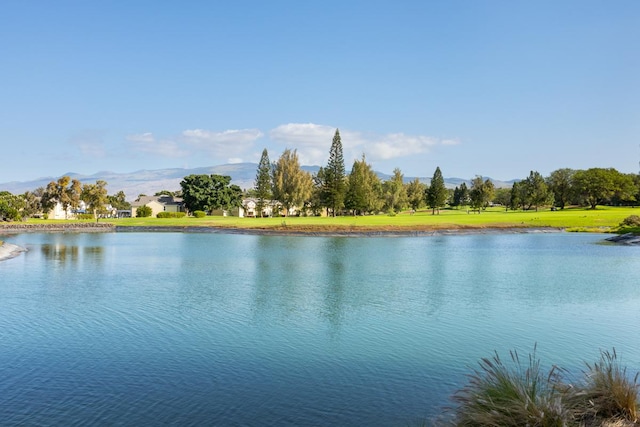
(216,329)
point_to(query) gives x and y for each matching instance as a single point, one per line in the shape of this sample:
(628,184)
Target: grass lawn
(573,219)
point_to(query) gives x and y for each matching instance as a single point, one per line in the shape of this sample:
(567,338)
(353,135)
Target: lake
(226,329)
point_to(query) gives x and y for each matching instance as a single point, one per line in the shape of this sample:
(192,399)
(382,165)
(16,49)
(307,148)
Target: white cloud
(314,141)
(90,143)
(450,142)
(146,137)
(303,134)
(232,136)
(311,141)
(147,143)
(233,144)
(400,145)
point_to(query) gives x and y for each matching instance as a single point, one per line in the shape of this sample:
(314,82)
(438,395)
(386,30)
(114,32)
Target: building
(158,204)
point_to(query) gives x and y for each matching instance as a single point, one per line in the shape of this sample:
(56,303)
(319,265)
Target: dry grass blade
(511,395)
(609,392)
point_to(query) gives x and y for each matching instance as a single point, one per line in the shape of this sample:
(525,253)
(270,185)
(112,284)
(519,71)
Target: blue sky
(493,88)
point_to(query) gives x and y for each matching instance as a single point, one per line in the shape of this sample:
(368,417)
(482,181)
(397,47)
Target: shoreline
(9,250)
(14,228)
(318,232)
(20,227)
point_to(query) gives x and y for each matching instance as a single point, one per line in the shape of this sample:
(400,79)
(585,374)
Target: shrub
(143,212)
(170,215)
(631,221)
(500,395)
(199,214)
(85,216)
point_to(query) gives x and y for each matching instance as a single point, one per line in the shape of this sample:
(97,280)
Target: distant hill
(150,182)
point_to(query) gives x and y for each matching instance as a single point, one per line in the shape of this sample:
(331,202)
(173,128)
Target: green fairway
(577,219)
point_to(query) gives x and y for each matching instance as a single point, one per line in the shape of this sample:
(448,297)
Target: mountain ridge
(151,181)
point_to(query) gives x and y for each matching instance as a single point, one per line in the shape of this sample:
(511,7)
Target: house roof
(163,200)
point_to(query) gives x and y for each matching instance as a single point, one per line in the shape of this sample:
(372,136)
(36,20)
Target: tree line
(66,191)
(332,191)
(361,191)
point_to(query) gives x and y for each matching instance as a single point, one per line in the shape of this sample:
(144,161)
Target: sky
(492,88)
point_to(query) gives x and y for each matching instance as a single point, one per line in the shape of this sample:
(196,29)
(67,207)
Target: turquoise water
(218,329)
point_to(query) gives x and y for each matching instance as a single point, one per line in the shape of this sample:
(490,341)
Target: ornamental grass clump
(513,395)
(520,394)
(608,391)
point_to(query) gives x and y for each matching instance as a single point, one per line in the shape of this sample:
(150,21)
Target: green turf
(577,219)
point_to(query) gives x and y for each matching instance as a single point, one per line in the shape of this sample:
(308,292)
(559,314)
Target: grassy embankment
(603,219)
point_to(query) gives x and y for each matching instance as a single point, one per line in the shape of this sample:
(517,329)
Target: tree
(460,195)
(119,201)
(291,185)
(481,193)
(263,182)
(437,192)
(597,185)
(395,195)
(502,197)
(536,190)
(317,202)
(636,181)
(415,194)
(31,203)
(11,206)
(334,176)
(559,183)
(364,189)
(209,192)
(519,195)
(64,191)
(95,196)
(625,188)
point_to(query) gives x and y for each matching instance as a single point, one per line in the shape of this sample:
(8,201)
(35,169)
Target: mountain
(151,181)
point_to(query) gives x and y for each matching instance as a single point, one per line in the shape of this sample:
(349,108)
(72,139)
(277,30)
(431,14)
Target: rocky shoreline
(372,232)
(625,239)
(19,227)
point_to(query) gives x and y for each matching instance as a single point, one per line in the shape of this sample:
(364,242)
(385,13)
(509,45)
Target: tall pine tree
(335,185)
(263,182)
(437,192)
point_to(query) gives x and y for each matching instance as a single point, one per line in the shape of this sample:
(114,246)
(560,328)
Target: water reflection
(439,266)
(59,252)
(70,253)
(282,273)
(334,290)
